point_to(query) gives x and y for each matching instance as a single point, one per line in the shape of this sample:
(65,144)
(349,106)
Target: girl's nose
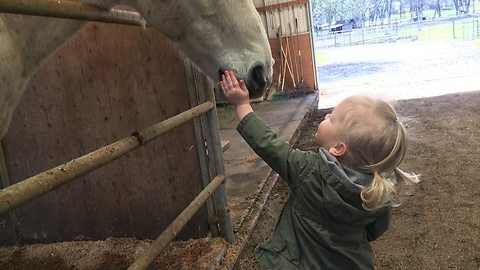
(327,116)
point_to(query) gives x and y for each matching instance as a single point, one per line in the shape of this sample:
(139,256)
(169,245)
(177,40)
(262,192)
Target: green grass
(444,12)
(449,31)
(320,56)
(427,13)
(443,30)
(436,33)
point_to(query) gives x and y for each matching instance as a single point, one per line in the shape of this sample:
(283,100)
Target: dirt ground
(438,227)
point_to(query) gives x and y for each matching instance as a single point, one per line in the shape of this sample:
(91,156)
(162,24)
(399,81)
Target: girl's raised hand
(235,92)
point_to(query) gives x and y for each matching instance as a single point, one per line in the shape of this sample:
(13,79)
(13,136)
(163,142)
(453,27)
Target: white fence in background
(462,28)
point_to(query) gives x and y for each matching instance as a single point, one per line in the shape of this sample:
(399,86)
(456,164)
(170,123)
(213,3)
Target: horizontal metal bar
(22,192)
(71,10)
(148,257)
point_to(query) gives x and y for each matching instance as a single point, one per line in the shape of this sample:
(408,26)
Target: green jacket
(323,224)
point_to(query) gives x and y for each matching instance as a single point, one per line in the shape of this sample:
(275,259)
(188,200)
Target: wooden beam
(282,5)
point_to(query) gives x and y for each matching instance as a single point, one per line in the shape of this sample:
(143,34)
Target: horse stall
(107,83)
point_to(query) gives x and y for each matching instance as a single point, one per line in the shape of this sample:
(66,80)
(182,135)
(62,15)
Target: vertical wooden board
(7,234)
(281,13)
(301,12)
(106,83)
(258,3)
(274,2)
(287,15)
(308,64)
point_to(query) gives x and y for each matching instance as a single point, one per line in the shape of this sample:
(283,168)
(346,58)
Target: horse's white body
(216,35)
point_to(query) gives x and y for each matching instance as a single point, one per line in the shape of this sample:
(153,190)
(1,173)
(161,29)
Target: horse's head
(216,35)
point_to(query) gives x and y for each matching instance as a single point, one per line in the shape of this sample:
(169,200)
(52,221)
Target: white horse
(216,35)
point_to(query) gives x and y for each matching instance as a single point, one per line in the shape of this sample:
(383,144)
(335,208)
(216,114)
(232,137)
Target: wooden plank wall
(293,18)
(106,83)
(307,72)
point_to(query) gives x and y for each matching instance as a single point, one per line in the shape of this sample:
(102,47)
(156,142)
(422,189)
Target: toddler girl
(341,196)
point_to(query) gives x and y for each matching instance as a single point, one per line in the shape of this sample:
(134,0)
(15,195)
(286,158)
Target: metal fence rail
(22,192)
(148,257)
(71,10)
(466,29)
(461,28)
(359,36)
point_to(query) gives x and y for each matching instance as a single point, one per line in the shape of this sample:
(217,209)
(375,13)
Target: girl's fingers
(243,86)
(226,81)
(228,78)
(232,78)
(229,82)
(223,83)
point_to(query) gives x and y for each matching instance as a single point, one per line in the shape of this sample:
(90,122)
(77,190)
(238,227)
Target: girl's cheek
(319,128)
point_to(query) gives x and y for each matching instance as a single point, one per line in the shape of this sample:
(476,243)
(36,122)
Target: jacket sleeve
(288,163)
(375,229)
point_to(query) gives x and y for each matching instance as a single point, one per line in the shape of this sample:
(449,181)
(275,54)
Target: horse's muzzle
(257,81)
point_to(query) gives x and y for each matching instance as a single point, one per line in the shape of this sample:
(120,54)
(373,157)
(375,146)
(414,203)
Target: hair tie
(375,174)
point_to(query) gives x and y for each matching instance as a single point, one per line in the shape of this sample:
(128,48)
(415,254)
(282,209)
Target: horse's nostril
(258,76)
(257,82)
(220,73)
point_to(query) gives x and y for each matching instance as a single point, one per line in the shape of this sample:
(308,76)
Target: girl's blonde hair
(376,143)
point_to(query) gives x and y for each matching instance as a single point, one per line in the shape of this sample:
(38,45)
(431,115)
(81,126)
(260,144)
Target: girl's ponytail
(404,180)
(379,193)
(383,191)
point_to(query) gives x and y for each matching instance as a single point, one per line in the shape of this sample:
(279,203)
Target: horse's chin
(256,92)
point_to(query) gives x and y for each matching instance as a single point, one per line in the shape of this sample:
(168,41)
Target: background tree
(379,12)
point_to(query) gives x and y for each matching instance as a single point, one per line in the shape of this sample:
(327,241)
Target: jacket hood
(341,192)
(354,180)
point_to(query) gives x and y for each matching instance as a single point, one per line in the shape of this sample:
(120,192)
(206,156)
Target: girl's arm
(275,152)
(375,229)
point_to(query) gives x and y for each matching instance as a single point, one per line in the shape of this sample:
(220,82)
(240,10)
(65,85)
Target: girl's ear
(338,149)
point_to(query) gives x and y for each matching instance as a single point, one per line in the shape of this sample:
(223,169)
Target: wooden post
(217,166)
(5,177)
(453,22)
